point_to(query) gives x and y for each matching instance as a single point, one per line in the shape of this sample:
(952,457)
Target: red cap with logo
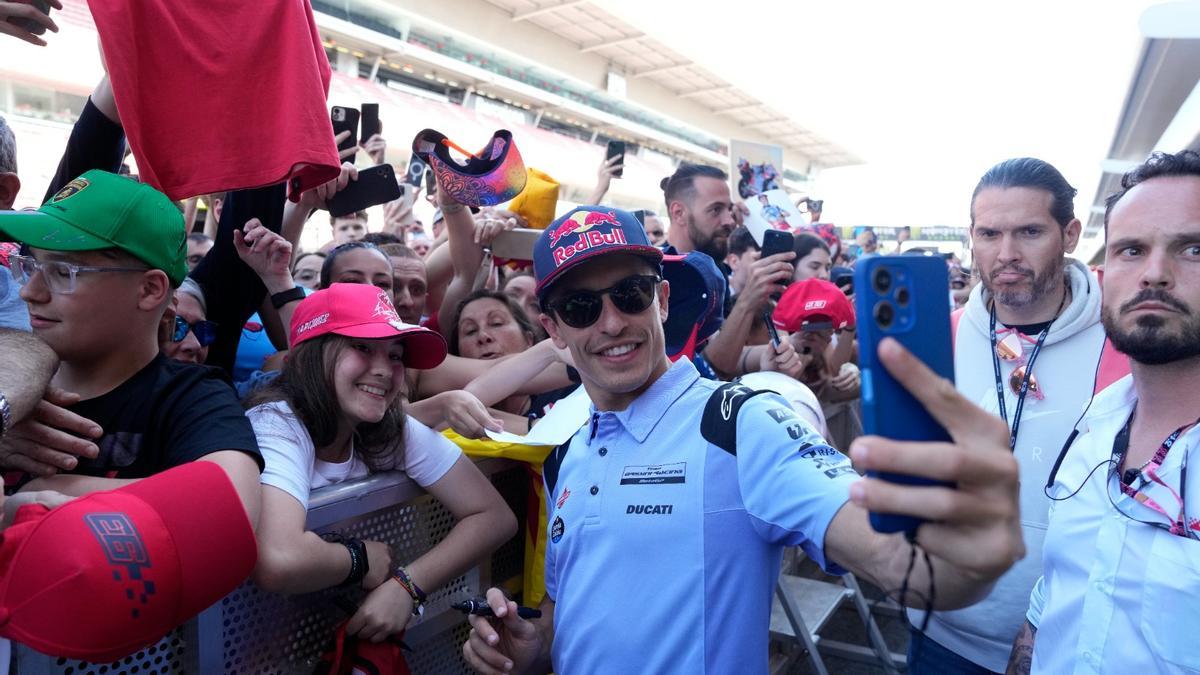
(364,311)
(112,572)
(813,301)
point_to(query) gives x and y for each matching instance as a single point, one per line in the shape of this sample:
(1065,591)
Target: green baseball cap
(102,210)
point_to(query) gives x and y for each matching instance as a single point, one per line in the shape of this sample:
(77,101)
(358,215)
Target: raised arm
(973,533)
(536,370)
(725,349)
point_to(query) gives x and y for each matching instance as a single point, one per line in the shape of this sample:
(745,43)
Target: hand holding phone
(345,119)
(32,17)
(903,298)
(375,185)
(616,149)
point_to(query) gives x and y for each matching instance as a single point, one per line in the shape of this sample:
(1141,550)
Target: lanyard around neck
(1024,389)
(1179,524)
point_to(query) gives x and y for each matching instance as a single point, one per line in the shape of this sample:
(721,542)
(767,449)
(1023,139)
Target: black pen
(480,607)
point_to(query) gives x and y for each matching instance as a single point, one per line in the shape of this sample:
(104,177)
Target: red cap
(364,311)
(107,574)
(813,301)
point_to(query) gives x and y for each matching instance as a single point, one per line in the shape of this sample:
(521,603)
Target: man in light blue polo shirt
(669,510)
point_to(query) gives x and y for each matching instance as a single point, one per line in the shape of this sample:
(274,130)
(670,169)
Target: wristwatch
(6,420)
(282,298)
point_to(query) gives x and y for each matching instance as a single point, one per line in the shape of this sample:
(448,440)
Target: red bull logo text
(581,221)
(587,240)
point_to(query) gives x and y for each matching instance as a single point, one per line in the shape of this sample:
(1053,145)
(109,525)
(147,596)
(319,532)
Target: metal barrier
(254,632)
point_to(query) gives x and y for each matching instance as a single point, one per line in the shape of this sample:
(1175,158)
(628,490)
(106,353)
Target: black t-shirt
(1033,329)
(167,414)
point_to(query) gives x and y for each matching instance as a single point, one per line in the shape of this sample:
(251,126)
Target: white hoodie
(1065,368)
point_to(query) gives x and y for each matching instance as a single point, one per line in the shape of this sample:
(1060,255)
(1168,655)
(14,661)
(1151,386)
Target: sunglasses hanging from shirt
(1021,380)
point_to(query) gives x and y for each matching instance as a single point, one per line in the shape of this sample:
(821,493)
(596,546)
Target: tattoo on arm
(1021,660)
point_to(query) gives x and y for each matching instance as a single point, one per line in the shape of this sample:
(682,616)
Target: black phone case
(376,185)
(349,122)
(368,121)
(616,149)
(776,241)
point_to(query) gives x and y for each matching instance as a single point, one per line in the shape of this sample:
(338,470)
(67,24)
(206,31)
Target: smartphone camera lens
(884,314)
(902,296)
(882,280)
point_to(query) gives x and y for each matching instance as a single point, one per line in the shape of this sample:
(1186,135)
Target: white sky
(930,93)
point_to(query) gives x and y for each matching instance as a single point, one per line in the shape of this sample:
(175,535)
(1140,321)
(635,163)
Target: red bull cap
(584,233)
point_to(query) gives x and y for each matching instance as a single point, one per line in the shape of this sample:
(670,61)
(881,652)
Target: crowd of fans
(139,335)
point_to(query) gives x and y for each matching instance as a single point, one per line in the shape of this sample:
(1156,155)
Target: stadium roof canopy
(1162,107)
(642,56)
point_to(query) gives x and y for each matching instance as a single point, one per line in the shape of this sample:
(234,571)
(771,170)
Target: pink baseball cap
(105,575)
(364,311)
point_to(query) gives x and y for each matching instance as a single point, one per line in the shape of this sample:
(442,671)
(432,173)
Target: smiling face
(620,355)
(487,330)
(1151,299)
(367,377)
(108,313)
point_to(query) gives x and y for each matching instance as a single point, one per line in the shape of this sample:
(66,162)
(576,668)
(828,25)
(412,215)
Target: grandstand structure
(1161,110)
(565,76)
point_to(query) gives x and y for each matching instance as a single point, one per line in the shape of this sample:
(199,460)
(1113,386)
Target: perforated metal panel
(253,632)
(275,635)
(166,657)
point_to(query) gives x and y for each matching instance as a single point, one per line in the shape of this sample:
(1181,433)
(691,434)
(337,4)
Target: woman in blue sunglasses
(187,337)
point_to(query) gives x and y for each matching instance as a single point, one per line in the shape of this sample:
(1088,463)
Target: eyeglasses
(59,276)
(206,331)
(631,295)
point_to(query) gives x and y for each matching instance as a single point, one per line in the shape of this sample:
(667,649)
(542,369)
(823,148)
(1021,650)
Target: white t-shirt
(292,464)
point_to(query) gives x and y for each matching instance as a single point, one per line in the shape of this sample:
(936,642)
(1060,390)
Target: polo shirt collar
(640,418)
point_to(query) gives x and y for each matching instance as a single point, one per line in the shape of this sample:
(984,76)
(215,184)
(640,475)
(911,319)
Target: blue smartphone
(901,297)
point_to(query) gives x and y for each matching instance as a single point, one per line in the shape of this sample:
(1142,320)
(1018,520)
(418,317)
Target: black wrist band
(358,561)
(278,300)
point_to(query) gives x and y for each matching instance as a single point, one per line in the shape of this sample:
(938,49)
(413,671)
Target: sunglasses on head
(582,308)
(206,331)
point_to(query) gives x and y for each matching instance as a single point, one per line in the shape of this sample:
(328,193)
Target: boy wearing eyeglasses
(669,509)
(99,263)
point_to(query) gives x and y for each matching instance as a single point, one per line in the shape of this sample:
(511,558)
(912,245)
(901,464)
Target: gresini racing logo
(660,474)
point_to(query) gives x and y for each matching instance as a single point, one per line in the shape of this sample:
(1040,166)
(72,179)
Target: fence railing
(254,632)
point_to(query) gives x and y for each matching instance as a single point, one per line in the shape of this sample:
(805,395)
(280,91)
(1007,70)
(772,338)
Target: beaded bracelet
(402,577)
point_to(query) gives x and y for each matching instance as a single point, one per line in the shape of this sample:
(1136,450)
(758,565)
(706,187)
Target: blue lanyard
(1016,423)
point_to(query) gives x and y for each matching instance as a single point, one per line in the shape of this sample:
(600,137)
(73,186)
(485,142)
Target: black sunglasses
(206,331)
(582,308)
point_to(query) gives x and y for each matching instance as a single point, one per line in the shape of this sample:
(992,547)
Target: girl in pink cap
(336,414)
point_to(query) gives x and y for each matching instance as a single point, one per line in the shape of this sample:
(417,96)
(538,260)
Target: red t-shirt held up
(221,94)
